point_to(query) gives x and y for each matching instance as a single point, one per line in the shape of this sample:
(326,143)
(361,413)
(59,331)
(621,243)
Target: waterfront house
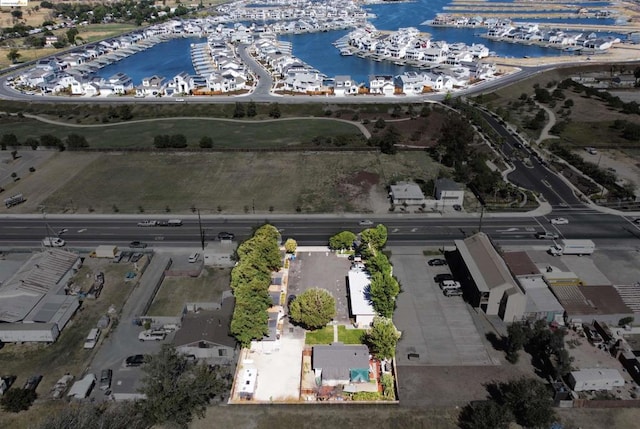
(381,84)
(344,85)
(151,86)
(434,55)
(410,83)
(120,83)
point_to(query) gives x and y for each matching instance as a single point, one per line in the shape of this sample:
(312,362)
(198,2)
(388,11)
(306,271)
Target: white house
(344,85)
(407,193)
(381,84)
(595,379)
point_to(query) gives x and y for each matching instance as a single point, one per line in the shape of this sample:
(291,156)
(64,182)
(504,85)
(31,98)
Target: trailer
(106,251)
(82,388)
(573,247)
(29,332)
(174,222)
(14,200)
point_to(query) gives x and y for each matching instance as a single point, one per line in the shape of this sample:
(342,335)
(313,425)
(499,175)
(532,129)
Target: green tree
(124,112)
(13,55)
(16,400)
(383,290)
(313,309)
(383,337)
(529,400)
(375,237)
(516,339)
(48,140)
(379,124)
(252,110)
(178,141)
(485,415)
(206,142)
(238,112)
(71,35)
(176,390)
(32,143)
(342,240)
(290,245)
(249,322)
(9,140)
(76,141)
(274,111)
(455,136)
(379,263)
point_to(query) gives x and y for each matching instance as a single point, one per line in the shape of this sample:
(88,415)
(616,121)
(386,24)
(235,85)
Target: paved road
(88,231)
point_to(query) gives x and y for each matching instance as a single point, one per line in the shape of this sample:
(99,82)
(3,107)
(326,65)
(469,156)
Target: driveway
(325,270)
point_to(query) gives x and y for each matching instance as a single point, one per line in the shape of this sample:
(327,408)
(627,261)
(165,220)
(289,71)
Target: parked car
(135,360)
(105,379)
(137,245)
(226,236)
(32,382)
(449,284)
(442,277)
(453,292)
(559,221)
(366,222)
(457,207)
(194,258)
(437,262)
(152,335)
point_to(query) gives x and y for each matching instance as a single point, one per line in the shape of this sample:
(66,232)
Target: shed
(595,379)
(106,251)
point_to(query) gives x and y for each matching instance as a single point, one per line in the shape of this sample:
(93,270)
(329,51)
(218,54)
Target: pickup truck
(546,235)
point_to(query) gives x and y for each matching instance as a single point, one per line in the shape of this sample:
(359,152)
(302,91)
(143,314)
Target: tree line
(72,142)
(257,258)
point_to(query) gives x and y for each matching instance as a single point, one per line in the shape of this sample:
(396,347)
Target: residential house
(344,85)
(381,84)
(205,334)
(407,194)
(340,364)
(449,192)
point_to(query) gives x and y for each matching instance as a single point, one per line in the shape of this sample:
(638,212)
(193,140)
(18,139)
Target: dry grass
(283,182)
(175,292)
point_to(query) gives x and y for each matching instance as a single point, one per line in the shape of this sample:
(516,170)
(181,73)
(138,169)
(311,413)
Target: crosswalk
(630,295)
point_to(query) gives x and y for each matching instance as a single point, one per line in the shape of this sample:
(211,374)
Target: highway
(86,232)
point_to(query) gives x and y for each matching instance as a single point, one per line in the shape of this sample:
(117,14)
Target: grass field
(225,134)
(325,335)
(175,292)
(306,182)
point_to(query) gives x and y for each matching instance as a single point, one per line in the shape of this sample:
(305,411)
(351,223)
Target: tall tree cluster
(250,279)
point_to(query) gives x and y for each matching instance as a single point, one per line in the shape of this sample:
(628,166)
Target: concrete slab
(439,329)
(584,267)
(619,266)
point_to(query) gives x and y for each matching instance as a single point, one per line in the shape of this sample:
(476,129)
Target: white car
(194,258)
(152,335)
(366,222)
(53,242)
(559,221)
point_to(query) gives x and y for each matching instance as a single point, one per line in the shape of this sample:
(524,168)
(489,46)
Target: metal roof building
(360,302)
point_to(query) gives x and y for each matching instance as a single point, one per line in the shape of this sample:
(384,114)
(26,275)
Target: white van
(152,335)
(92,338)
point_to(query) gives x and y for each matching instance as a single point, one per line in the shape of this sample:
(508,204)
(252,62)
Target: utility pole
(481,215)
(201,230)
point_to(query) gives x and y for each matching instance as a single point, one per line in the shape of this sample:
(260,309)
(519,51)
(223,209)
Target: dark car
(105,379)
(32,382)
(290,299)
(442,277)
(457,207)
(135,360)
(437,262)
(137,245)
(226,236)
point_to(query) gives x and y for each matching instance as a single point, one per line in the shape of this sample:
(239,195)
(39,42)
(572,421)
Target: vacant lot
(226,134)
(175,292)
(307,182)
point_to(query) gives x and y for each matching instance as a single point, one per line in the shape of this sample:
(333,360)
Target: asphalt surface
(89,231)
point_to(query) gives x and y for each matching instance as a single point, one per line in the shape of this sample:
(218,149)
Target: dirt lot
(621,164)
(230,183)
(175,292)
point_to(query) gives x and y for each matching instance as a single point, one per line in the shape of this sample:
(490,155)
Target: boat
(345,52)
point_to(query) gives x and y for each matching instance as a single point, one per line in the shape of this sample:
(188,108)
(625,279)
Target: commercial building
(487,279)
(449,193)
(360,302)
(34,305)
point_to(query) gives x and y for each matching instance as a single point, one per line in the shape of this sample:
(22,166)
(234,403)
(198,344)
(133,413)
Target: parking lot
(436,330)
(325,270)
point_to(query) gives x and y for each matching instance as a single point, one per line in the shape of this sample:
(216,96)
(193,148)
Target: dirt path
(360,126)
(544,134)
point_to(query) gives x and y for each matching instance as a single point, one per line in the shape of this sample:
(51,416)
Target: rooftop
(445,184)
(520,264)
(407,191)
(337,360)
(207,325)
(484,263)
(359,293)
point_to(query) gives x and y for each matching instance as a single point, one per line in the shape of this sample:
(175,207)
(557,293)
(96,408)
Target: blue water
(316,49)
(165,59)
